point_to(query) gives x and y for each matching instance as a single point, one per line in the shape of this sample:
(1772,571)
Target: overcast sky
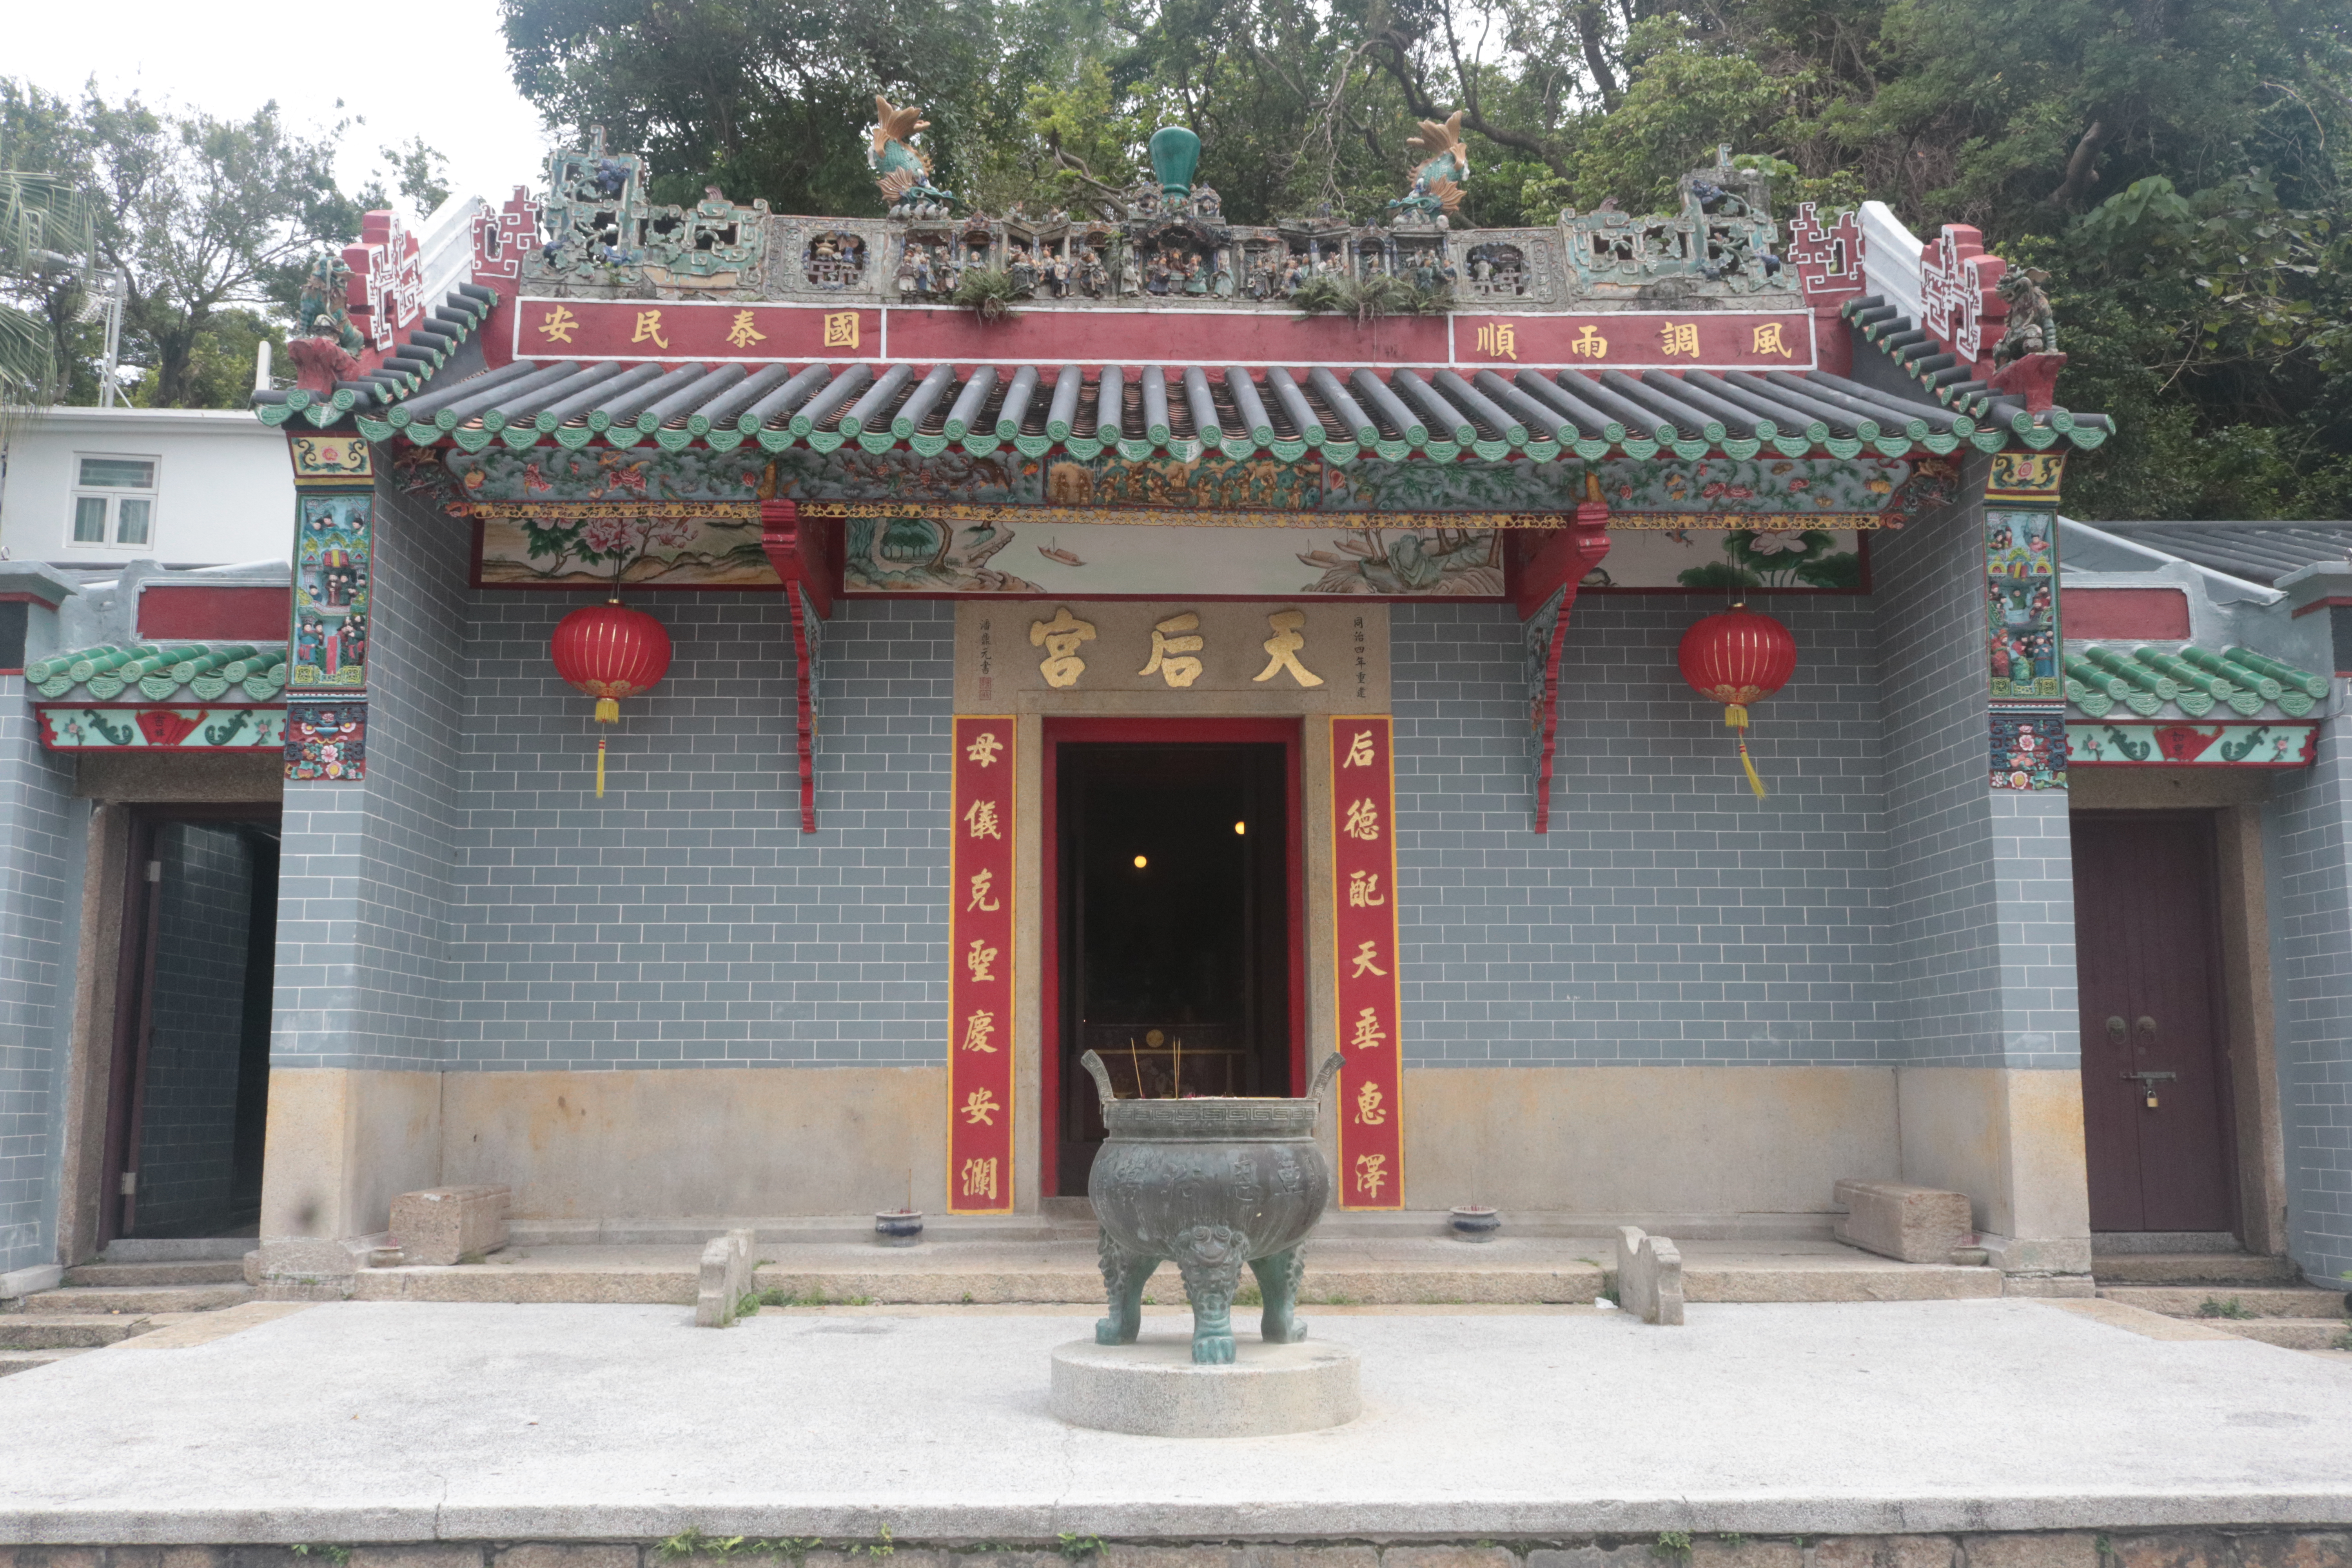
(434,69)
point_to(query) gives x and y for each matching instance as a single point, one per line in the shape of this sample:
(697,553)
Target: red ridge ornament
(610,651)
(1737,656)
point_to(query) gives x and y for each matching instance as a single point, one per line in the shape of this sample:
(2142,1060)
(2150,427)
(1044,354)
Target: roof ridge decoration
(2188,680)
(1974,387)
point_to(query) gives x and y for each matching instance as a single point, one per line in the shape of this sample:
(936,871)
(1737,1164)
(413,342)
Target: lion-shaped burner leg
(1278,1275)
(1124,1274)
(1210,1257)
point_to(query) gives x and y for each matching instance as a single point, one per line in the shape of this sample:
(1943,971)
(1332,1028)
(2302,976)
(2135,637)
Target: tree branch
(2080,174)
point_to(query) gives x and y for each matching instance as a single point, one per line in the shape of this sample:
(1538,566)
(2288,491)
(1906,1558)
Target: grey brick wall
(188,1122)
(1669,917)
(363,974)
(2310,852)
(685,920)
(1979,918)
(42,833)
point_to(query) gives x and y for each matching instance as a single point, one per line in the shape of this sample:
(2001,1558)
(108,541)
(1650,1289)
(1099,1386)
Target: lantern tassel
(600,769)
(608,710)
(1735,715)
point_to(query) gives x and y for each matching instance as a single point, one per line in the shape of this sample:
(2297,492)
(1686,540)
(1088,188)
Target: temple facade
(760,698)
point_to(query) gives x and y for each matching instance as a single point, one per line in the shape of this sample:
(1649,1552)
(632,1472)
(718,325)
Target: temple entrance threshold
(1174,910)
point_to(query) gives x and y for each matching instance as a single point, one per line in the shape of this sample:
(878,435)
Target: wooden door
(2155,1117)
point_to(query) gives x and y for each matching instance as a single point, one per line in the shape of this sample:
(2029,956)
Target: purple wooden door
(2148,966)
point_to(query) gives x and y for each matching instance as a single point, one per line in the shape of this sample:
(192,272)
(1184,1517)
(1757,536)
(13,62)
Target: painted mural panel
(2029,748)
(1096,559)
(1854,486)
(2183,744)
(330,590)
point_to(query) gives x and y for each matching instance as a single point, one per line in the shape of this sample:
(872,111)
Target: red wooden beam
(800,550)
(1555,563)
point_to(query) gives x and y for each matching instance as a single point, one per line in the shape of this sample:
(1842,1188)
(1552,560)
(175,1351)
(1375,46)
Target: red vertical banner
(980,971)
(1364,927)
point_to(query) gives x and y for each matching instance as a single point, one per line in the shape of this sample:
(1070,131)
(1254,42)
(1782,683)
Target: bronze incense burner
(1212,1185)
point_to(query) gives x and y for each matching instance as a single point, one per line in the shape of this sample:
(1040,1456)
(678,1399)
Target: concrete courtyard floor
(416,1421)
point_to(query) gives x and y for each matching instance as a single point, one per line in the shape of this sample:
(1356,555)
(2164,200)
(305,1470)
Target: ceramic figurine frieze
(601,229)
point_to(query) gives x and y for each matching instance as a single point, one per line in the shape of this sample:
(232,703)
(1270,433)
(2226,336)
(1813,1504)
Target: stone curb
(2187,1548)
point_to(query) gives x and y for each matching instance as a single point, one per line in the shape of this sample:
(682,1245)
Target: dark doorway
(1173,871)
(2156,1118)
(190,1090)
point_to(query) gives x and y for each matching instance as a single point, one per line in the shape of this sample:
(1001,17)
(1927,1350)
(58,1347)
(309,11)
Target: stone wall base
(2284,1546)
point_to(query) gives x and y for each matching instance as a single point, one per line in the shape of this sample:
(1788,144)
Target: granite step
(2192,1268)
(11,1361)
(138,1299)
(63,1330)
(2258,1301)
(228,1271)
(2290,1333)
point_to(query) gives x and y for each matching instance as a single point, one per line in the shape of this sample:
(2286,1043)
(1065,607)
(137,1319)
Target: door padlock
(2147,1082)
(2151,1096)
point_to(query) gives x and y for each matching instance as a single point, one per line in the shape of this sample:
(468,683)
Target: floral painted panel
(2029,748)
(1729,486)
(642,552)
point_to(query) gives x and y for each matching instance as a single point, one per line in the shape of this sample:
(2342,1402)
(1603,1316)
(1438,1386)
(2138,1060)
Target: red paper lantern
(1737,656)
(610,651)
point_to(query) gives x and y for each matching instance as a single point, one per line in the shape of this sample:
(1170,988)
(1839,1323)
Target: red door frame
(1288,733)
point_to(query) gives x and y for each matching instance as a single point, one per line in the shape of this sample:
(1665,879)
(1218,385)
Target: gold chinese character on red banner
(1364,821)
(559,324)
(1590,343)
(1060,637)
(980,1179)
(1497,339)
(980,1003)
(841,330)
(977,1030)
(1770,340)
(743,334)
(650,330)
(1679,338)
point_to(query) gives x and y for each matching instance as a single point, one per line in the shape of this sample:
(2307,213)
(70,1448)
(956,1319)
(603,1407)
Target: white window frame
(76,492)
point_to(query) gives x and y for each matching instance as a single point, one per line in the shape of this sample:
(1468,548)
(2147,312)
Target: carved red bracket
(1553,565)
(802,553)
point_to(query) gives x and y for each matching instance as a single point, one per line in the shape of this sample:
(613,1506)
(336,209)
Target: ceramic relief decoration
(2021,604)
(2029,748)
(596,552)
(326,741)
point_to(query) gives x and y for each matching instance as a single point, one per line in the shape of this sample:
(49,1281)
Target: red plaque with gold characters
(1363,873)
(979,972)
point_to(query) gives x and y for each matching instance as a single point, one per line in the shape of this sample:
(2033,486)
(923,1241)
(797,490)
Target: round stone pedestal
(1152,1388)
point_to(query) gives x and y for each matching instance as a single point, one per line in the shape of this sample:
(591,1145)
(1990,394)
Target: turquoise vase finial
(1175,154)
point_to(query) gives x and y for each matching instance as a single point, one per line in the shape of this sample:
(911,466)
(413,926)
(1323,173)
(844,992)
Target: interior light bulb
(1241,827)
(1140,862)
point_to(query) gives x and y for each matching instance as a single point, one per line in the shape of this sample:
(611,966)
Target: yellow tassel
(1753,782)
(1736,715)
(599,770)
(608,709)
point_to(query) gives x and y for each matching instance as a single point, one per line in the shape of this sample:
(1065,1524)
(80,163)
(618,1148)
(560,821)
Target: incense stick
(1177,1089)
(1137,1063)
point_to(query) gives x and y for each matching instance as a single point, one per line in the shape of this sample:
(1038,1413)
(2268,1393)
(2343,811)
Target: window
(114,501)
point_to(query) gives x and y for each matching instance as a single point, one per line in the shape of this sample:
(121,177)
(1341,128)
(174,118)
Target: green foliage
(338,1556)
(988,292)
(1368,299)
(2215,1307)
(1077,1547)
(1671,1543)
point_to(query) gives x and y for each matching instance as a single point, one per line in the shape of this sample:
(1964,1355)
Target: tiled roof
(1941,375)
(1138,411)
(2257,552)
(158,671)
(2194,680)
(424,350)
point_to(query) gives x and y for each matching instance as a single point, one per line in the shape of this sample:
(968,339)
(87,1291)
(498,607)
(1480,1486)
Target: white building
(89,488)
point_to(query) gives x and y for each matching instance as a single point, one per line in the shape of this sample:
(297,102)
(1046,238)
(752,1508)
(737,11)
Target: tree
(211,224)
